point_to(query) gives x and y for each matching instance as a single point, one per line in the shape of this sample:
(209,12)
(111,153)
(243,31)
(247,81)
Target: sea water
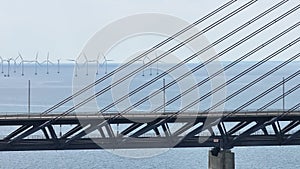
(49,87)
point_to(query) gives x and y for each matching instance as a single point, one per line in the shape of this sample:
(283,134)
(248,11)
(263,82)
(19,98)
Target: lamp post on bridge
(28,97)
(164,94)
(283,94)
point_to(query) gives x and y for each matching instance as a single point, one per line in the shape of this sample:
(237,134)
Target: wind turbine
(76,65)
(105,62)
(58,65)
(47,63)
(91,61)
(22,62)
(146,57)
(8,66)
(87,63)
(97,62)
(15,64)
(36,63)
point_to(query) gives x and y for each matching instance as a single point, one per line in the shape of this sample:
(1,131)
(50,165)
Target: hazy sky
(64,27)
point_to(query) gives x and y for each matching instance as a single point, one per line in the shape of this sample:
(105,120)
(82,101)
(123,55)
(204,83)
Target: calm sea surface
(48,89)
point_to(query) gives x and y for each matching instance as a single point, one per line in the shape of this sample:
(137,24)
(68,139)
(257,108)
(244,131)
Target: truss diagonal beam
(131,128)
(290,126)
(16,132)
(238,127)
(72,131)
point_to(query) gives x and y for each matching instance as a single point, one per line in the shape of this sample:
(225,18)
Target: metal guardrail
(254,113)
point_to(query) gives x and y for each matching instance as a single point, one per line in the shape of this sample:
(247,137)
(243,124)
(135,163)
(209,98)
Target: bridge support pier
(220,159)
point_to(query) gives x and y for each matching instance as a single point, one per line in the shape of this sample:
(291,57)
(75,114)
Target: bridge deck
(150,130)
(138,116)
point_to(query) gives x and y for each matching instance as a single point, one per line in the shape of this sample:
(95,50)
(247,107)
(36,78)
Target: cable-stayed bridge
(185,127)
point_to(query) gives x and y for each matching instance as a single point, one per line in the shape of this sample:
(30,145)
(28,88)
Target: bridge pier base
(220,159)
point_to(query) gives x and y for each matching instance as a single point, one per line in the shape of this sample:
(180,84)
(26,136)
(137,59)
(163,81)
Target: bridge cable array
(139,57)
(177,65)
(240,75)
(184,62)
(214,75)
(159,57)
(228,67)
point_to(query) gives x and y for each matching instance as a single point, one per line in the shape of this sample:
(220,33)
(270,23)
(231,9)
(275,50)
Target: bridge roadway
(142,130)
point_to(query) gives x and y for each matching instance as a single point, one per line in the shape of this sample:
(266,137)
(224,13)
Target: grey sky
(63,27)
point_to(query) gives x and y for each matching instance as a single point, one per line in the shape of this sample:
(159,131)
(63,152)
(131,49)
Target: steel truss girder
(188,135)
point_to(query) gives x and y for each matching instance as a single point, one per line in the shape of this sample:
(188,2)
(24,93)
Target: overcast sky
(62,27)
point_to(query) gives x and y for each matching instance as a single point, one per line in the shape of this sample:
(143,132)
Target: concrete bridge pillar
(220,159)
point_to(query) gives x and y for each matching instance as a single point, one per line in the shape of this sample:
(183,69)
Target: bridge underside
(142,143)
(135,131)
